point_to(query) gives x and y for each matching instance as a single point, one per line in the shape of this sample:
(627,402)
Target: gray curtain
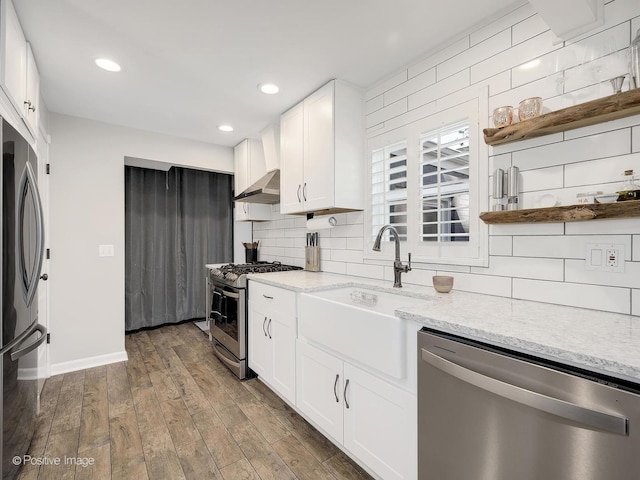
(175,223)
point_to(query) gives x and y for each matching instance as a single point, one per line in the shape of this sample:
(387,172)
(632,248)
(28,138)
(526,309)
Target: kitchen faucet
(398,267)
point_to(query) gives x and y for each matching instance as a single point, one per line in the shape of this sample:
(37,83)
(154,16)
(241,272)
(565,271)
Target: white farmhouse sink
(358,323)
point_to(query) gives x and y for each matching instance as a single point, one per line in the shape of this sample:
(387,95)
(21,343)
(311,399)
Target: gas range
(227,310)
(235,275)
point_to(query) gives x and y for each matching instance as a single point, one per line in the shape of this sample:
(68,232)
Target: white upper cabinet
(31,105)
(19,76)
(249,164)
(321,152)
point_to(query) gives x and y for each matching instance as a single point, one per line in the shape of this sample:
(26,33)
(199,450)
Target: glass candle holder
(502,116)
(530,108)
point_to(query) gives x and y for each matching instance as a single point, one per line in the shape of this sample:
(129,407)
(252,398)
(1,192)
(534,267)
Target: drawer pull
(267,296)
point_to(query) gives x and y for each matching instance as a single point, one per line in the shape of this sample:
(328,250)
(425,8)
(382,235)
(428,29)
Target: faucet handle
(409,265)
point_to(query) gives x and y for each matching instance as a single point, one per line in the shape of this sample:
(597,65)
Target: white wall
(87,210)
(542,262)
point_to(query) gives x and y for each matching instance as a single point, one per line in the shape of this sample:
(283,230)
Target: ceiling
(191,65)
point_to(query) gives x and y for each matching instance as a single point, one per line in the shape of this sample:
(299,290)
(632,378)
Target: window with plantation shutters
(429,181)
(389,189)
(444,170)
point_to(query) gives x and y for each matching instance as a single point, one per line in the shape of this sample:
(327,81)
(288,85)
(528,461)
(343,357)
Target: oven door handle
(231,294)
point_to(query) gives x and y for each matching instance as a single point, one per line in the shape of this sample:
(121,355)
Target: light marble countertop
(603,342)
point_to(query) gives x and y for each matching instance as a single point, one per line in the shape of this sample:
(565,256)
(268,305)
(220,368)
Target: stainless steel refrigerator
(22,257)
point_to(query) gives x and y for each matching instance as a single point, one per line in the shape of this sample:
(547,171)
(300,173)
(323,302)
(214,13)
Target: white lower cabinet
(272,337)
(374,420)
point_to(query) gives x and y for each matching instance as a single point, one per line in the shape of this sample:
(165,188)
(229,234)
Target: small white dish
(545,201)
(607,198)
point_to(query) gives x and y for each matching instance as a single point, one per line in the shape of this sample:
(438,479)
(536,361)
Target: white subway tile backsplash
(355,243)
(503,23)
(618,226)
(619,124)
(526,144)
(528,28)
(635,302)
(500,42)
(414,84)
(501,245)
(541,179)
(534,229)
(635,141)
(386,84)
(386,113)
(414,277)
(576,272)
(596,297)
(598,171)
(363,270)
(347,231)
(565,246)
(545,88)
(522,267)
(596,71)
(635,256)
(333,243)
(439,57)
(376,103)
(499,286)
(499,161)
(454,83)
(603,145)
(347,256)
(518,55)
(333,267)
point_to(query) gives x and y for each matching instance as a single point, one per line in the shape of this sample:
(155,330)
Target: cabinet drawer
(273,300)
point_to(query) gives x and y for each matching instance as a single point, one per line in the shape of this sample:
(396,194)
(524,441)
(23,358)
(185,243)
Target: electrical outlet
(604,258)
(612,257)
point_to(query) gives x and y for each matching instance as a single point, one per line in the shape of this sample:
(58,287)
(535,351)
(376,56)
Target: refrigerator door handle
(586,416)
(32,346)
(28,184)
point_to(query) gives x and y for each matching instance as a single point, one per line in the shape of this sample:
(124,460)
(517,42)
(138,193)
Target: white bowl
(607,198)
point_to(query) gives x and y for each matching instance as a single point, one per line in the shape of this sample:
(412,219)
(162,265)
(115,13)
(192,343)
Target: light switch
(596,257)
(105,250)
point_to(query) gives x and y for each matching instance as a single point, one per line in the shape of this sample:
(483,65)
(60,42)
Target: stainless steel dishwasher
(486,413)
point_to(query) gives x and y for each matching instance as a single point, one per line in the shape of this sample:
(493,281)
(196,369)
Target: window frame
(472,253)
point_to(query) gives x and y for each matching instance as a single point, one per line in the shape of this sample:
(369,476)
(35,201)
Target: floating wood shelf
(616,106)
(567,213)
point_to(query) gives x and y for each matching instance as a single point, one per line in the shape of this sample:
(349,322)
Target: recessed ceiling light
(269,88)
(108,65)
(225,128)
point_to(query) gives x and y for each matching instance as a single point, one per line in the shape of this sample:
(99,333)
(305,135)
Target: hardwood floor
(173,411)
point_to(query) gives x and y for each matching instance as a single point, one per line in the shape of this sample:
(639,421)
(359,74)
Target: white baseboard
(74,365)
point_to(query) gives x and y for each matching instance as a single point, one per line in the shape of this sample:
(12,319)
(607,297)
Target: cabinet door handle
(267,296)
(304,191)
(335,388)
(344,394)
(269,328)
(298,193)
(263,326)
